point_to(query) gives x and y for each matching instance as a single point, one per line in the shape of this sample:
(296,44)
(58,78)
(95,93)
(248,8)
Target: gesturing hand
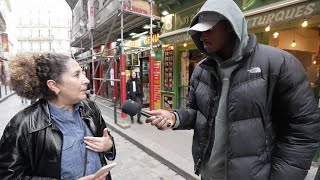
(162,119)
(99,144)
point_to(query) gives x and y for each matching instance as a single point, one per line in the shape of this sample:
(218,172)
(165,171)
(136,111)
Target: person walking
(60,136)
(250,105)
(135,93)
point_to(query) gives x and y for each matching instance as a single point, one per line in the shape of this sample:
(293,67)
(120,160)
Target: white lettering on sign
(282,15)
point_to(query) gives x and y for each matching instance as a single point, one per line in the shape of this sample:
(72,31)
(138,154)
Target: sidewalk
(5,92)
(172,148)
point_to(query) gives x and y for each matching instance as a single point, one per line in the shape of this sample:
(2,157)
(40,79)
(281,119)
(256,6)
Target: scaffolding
(105,33)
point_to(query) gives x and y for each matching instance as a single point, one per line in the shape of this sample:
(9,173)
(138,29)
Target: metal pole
(122,67)
(151,63)
(92,63)
(116,96)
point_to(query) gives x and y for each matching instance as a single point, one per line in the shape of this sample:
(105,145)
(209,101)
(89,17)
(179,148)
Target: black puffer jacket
(30,147)
(273,118)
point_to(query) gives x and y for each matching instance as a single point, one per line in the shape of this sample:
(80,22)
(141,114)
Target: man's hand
(162,119)
(99,144)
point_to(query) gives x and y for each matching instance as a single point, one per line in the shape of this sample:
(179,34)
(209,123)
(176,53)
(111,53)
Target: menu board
(167,102)
(168,70)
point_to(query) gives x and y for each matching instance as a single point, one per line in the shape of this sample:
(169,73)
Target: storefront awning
(277,13)
(174,37)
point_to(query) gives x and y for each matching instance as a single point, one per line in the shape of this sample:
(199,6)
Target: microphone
(132,108)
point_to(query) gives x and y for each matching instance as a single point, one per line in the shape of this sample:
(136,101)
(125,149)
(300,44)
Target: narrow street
(132,162)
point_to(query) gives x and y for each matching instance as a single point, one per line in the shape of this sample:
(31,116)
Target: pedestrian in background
(135,93)
(62,135)
(251,106)
(23,100)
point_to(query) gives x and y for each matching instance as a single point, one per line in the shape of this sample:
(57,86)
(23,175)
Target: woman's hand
(99,144)
(162,119)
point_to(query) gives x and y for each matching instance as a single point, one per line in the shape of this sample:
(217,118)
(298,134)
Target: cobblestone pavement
(132,162)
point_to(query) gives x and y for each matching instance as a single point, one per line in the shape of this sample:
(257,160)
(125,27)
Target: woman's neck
(61,105)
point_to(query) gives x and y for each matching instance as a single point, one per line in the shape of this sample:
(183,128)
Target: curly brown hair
(29,74)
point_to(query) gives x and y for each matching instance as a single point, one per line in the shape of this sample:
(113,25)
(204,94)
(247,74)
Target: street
(132,162)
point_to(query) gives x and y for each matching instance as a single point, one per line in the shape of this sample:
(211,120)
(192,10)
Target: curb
(6,97)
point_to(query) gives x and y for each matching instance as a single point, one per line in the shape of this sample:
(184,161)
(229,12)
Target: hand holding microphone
(162,119)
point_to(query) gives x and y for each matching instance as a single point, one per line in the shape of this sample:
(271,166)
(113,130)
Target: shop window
(168,70)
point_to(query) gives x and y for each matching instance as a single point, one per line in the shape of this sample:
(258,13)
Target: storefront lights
(275,35)
(305,23)
(165,13)
(293,44)
(184,44)
(267,29)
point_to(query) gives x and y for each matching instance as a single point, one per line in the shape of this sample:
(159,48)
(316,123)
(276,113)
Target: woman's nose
(85,80)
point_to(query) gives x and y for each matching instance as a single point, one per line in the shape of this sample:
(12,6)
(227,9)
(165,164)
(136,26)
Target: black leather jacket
(30,147)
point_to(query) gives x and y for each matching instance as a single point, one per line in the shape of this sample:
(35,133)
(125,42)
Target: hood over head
(209,15)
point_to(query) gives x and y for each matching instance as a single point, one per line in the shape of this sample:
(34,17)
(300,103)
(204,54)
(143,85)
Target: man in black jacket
(251,106)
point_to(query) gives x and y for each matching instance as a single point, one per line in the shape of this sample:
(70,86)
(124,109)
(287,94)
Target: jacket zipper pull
(196,167)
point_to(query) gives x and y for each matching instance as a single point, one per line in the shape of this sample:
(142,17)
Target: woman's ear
(53,86)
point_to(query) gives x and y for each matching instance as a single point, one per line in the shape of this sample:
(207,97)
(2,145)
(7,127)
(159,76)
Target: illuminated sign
(144,41)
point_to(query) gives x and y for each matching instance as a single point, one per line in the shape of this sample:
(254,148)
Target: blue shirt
(73,148)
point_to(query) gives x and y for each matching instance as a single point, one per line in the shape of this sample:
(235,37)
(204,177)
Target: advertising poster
(157,84)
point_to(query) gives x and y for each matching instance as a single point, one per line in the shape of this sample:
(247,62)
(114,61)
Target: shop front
(293,26)
(179,58)
(137,53)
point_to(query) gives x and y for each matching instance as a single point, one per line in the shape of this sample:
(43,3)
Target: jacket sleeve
(296,116)
(111,154)
(13,151)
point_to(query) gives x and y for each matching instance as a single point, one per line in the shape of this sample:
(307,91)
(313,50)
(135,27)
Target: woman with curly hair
(62,135)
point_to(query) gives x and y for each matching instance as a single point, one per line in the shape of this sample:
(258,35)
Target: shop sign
(127,7)
(5,44)
(286,14)
(184,18)
(251,4)
(144,41)
(174,39)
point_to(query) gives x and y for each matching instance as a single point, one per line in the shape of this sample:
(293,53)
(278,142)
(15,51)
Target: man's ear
(53,86)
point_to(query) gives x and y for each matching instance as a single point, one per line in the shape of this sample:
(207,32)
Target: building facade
(293,26)
(7,38)
(43,26)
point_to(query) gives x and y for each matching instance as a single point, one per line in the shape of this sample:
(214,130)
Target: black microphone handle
(143,113)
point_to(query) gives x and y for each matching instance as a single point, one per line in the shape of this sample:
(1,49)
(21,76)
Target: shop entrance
(188,61)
